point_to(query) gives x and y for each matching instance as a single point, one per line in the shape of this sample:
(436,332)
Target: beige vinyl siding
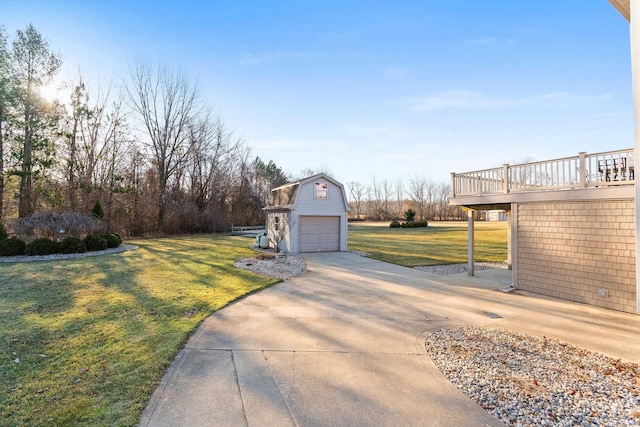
(582,251)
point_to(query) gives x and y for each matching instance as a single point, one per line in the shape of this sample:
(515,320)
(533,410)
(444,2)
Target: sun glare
(50,92)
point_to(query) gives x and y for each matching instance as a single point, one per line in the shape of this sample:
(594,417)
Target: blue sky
(394,90)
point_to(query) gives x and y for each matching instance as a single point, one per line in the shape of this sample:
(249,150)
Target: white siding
(333,203)
(279,229)
(306,204)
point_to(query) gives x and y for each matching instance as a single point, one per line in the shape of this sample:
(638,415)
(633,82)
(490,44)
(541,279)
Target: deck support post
(513,244)
(470,240)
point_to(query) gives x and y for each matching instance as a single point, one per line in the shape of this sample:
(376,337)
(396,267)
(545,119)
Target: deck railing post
(583,169)
(505,173)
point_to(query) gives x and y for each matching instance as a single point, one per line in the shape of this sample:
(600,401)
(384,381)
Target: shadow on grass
(86,341)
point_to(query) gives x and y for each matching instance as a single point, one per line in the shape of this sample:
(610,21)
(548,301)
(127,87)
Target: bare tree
(167,104)
(399,199)
(431,191)
(418,188)
(215,155)
(375,199)
(117,147)
(387,198)
(442,195)
(357,192)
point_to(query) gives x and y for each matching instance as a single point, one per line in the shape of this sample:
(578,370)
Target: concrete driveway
(343,345)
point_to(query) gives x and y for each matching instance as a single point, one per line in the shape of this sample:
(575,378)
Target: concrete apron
(344,345)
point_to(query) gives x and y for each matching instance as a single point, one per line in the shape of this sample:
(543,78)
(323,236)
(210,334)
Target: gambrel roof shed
(309,215)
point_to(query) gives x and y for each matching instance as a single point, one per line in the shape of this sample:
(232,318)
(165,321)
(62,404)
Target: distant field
(440,243)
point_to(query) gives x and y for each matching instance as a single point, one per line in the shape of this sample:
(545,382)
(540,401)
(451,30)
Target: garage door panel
(319,233)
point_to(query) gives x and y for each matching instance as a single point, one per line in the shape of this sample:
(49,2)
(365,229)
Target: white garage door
(319,233)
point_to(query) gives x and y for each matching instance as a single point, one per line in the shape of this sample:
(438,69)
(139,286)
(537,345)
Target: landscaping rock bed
(24,258)
(458,268)
(532,381)
(266,264)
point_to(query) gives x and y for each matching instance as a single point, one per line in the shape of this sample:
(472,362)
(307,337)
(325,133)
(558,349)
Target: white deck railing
(604,169)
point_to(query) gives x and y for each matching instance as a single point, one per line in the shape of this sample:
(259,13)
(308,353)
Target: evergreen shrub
(72,245)
(113,239)
(12,247)
(42,246)
(95,242)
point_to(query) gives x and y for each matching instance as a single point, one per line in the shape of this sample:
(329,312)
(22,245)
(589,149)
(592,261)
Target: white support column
(509,237)
(513,241)
(470,240)
(635,75)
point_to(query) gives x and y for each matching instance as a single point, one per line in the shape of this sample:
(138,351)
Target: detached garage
(309,215)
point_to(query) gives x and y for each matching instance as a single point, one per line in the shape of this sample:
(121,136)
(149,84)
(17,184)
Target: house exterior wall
(582,251)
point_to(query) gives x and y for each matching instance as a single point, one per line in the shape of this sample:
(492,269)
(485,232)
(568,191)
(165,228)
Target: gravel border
(292,266)
(531,381)
(24,258)
(444,269)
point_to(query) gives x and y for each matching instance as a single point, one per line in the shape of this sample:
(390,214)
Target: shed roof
(284,197)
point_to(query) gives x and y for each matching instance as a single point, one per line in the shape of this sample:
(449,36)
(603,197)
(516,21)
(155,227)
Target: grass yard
(85,342)
(440,243)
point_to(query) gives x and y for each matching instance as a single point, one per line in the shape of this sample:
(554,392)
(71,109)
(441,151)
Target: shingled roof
(283,196)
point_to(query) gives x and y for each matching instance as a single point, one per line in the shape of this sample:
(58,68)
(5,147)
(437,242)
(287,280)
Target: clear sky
(391,89)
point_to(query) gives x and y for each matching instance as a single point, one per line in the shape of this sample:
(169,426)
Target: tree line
(387,200)
(149,150)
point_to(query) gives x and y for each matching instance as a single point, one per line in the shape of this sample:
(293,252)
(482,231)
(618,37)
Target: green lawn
(440,243)
(85,342)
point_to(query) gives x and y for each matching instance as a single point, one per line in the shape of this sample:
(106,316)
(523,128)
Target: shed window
(276,220)
(321,190)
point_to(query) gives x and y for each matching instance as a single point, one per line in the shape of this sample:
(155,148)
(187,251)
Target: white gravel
(458,268)
(24,258)
(531,381)
(291,266)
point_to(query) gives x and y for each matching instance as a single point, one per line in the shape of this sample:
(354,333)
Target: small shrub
(3,232)
(395,224)
(113,239)
(95,242)
(97,211)
(414,224)
(12,247)
(409,215)
(42,246)
(72,245)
